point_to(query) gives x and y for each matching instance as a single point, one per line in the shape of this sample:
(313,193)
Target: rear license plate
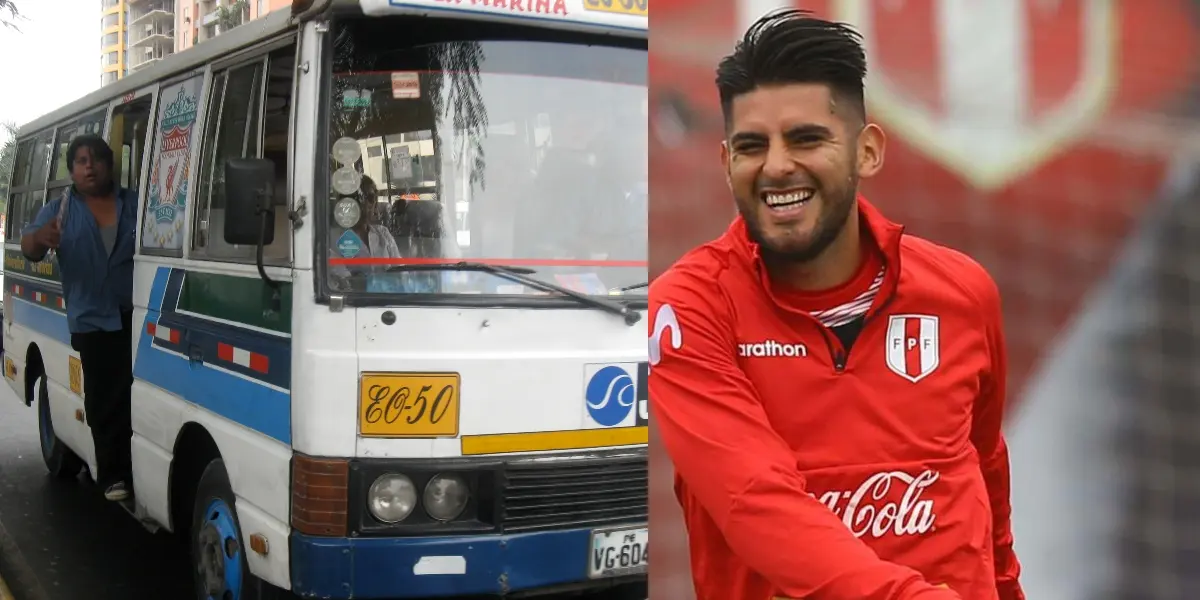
(616,552)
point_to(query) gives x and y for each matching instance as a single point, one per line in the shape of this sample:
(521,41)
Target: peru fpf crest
(991,89)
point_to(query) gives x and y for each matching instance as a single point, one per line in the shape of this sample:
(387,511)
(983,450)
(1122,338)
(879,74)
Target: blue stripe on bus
(170,298)
(204,335)
(245,402)
(45,321)
(26,288)
(249,403)
(197,334)
(158,288)
(325,567)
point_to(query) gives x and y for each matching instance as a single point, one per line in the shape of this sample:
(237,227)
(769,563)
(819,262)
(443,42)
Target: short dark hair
(100,149)
(792,46)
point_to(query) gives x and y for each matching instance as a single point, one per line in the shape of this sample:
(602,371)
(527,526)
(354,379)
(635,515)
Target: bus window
(127,137)
(20,175)
(28,191)
(248,116)
(40,160)
(60,168)
(17,209)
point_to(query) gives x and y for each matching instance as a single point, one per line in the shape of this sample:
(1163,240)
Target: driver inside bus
(365,239)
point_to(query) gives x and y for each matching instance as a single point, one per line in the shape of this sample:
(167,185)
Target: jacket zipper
(835,349)
(840,354)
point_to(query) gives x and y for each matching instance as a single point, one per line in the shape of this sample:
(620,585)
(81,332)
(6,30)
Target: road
(63,541)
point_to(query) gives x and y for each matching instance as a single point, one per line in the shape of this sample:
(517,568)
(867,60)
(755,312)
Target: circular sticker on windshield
(346,181)
(346,151)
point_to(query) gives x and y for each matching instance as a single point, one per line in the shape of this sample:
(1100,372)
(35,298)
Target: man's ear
(871,145)
(725,163)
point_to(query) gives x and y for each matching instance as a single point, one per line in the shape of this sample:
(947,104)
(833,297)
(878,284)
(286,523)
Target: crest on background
(990,89)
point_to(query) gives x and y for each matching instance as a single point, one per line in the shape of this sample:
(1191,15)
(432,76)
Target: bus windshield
(514,152)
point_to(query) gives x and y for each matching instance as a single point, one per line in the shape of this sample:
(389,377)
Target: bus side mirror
(249,188)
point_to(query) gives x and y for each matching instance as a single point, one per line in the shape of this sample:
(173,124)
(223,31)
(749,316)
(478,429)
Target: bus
(390,295)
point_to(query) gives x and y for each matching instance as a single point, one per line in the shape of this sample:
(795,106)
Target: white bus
(389,298)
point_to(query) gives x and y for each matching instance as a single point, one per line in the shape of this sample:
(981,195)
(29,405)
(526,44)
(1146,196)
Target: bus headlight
(446,496)
(392,498)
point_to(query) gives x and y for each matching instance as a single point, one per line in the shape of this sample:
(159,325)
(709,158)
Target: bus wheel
(219,564)
(61,460)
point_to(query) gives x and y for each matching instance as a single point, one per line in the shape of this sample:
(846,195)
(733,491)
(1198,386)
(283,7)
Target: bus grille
(561,494)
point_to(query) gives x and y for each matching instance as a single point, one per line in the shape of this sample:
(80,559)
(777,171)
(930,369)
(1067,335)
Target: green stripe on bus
(244,300)
(15,262)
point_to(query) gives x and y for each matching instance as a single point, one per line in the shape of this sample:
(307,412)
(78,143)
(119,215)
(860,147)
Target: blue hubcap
(219,568)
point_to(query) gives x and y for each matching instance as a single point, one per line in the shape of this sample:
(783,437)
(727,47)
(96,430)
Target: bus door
(127,135)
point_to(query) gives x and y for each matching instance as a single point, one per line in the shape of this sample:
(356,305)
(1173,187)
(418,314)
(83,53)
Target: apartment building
(112,41)
(151,31)
(199,20)
(138,33)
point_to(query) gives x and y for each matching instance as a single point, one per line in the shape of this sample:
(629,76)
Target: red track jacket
(883,479)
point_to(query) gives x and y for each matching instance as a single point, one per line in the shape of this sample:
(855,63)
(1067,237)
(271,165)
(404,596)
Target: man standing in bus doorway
(92,229)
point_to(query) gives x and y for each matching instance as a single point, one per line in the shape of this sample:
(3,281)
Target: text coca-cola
(868,510)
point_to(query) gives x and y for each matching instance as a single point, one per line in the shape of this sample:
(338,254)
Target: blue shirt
(97,285)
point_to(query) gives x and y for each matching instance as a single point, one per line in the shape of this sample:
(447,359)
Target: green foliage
(8,153)
(230,16)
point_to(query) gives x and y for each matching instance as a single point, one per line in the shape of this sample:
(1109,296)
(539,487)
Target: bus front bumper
(419,567)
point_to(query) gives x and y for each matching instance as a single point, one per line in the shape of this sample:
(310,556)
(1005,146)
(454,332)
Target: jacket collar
(884,233)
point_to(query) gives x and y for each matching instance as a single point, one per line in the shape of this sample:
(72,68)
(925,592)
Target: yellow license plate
(406,405)
(75,372)
(625,7)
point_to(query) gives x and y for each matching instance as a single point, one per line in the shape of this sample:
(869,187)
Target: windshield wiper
(636,286)
(521,275)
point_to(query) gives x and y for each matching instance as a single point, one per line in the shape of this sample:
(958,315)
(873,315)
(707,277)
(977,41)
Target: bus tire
(62,462)
(219,567)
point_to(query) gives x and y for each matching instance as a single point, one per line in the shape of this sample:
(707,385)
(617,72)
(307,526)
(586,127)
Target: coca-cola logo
(872,510)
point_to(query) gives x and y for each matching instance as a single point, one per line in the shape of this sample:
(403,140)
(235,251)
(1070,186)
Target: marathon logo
(772,349)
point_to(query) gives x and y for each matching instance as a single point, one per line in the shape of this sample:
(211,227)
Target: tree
(9,15)
(230,16)
(8,153)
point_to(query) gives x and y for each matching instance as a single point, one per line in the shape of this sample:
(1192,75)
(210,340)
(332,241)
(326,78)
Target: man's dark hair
(792,46)
(101,152)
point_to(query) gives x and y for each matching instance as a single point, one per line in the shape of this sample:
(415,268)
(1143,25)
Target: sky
(52,61)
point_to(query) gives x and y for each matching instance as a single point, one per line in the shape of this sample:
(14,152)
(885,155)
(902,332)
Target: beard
(836,207)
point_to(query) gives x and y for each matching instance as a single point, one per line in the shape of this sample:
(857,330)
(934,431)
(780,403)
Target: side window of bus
(28,190)
(248,116)
(127,137)
(91,124)
(16,200)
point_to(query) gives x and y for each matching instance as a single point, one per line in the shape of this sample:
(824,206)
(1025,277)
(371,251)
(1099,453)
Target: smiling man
(830,390)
